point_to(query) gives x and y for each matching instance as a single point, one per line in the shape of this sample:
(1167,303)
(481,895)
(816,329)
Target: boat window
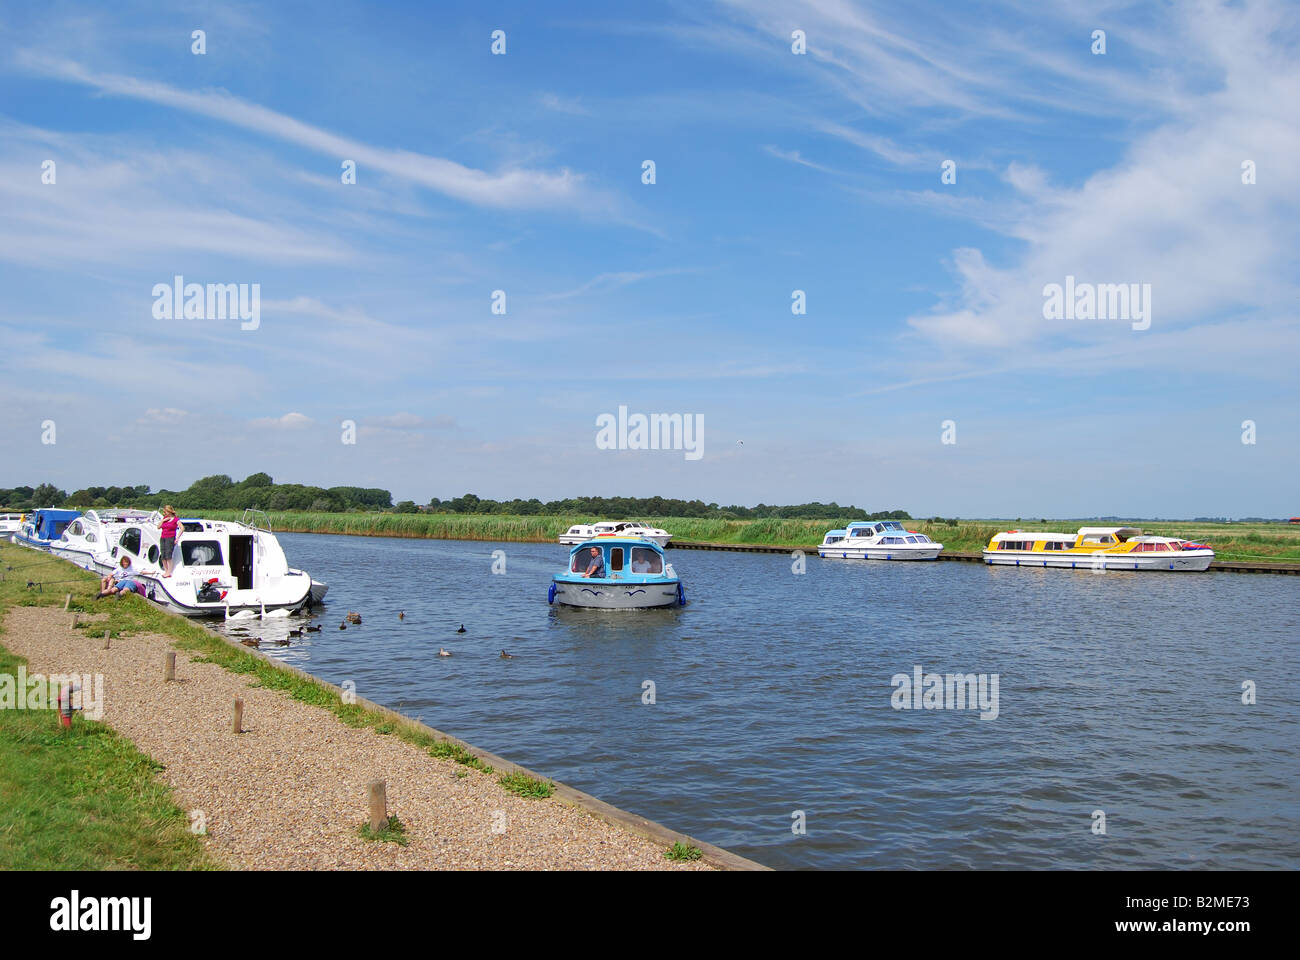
(75,529)
(153,553)
(201,553)
(1159,546)
(91,538)
(616,559)
(646,561)
(130,540)
(192,527)
(911,539)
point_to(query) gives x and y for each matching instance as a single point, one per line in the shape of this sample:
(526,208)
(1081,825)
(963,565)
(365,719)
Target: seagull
(462,628)
(443,652)
(507,656)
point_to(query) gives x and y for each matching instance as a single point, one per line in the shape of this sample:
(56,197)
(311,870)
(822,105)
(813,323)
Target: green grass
(680,851)
(1231,541)
(446,750)
(393,831)
(526,786)
(85,798)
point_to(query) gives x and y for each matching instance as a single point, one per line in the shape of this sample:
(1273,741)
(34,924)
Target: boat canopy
(620,554)
(1030,535)
(1120,533)
(50,523)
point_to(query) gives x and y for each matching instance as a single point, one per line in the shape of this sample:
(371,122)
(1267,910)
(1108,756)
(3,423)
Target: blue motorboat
(43,527)
(617,573)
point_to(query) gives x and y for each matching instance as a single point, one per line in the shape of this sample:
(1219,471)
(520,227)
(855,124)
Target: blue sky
(775,172)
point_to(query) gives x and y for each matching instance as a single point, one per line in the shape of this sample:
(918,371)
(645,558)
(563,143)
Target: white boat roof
(1031,535)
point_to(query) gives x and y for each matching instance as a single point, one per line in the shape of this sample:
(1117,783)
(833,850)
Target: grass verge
(84,798)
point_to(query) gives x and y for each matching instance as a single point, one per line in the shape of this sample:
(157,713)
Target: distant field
(1231,541)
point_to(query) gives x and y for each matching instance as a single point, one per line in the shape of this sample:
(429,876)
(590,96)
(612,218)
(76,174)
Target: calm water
(1119,692)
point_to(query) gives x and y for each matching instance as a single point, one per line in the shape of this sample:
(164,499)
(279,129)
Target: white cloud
(290,421)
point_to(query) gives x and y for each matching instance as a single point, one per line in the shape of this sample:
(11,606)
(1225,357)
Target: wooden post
(378,806)
(108,640)
(169,665)
(237,717)
(67,600)
(76,619)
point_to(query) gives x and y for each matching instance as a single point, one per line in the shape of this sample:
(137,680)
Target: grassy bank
(86,798)
(1231,541)
(89,799)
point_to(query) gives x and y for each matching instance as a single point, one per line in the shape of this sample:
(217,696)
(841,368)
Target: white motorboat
(222,568)
(88,534)
(9,525)
(580,532)
(877,540)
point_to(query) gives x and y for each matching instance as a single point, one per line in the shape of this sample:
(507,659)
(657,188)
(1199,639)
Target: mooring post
(237,717)
(169,665)
(108,639)
(67,600)
(378,805)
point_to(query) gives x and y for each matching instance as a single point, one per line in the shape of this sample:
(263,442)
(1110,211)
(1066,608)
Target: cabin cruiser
(633,574)
(87,535)
(43,527)
(9,524)
(877,540)
(626,528)
(222,568)
(1097,548)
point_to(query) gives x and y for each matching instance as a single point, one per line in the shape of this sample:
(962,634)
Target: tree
(47,495)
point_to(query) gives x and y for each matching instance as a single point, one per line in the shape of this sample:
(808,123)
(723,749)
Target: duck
(443,652)
(462,628)
(343,625)
(315,629)
(353,617)
(401,614)
(507,656)
(296,633)
(252,643)
(282,643)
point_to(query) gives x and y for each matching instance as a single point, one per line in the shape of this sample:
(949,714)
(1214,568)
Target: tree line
(220,492)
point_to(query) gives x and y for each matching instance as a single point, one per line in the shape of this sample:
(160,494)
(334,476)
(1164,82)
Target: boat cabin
(619,557)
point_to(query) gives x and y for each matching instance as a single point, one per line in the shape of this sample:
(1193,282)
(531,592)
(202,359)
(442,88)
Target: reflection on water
(1118,692)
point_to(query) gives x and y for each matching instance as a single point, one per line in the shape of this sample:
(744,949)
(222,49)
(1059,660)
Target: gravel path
(290,792)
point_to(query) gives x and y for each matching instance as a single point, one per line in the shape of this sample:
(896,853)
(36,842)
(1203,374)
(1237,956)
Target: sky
(921,172)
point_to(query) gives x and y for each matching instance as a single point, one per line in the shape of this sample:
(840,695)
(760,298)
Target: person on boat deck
(641,562)
(119,581)
(168,528)
(597,566)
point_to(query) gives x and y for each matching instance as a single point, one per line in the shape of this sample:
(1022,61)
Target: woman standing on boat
(168,529)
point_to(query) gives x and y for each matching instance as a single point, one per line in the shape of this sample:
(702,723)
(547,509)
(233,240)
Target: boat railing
(257,519)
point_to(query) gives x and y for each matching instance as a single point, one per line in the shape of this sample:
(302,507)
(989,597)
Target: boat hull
(1190,561)
(927,551)
(605,595)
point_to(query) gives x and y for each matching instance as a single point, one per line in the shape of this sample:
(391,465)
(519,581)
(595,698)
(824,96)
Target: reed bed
(1231,541)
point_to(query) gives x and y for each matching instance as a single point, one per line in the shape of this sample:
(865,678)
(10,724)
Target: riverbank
(290,790)
(1237,542)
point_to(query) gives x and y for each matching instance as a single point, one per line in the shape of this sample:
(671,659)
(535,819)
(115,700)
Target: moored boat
(223,568)
(627,528)
(88,534)
(43,527)
(9,524)
(617,573)
(1097,548)
(877,540)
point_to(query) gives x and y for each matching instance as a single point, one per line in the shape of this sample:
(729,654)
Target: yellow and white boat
(1097,548)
